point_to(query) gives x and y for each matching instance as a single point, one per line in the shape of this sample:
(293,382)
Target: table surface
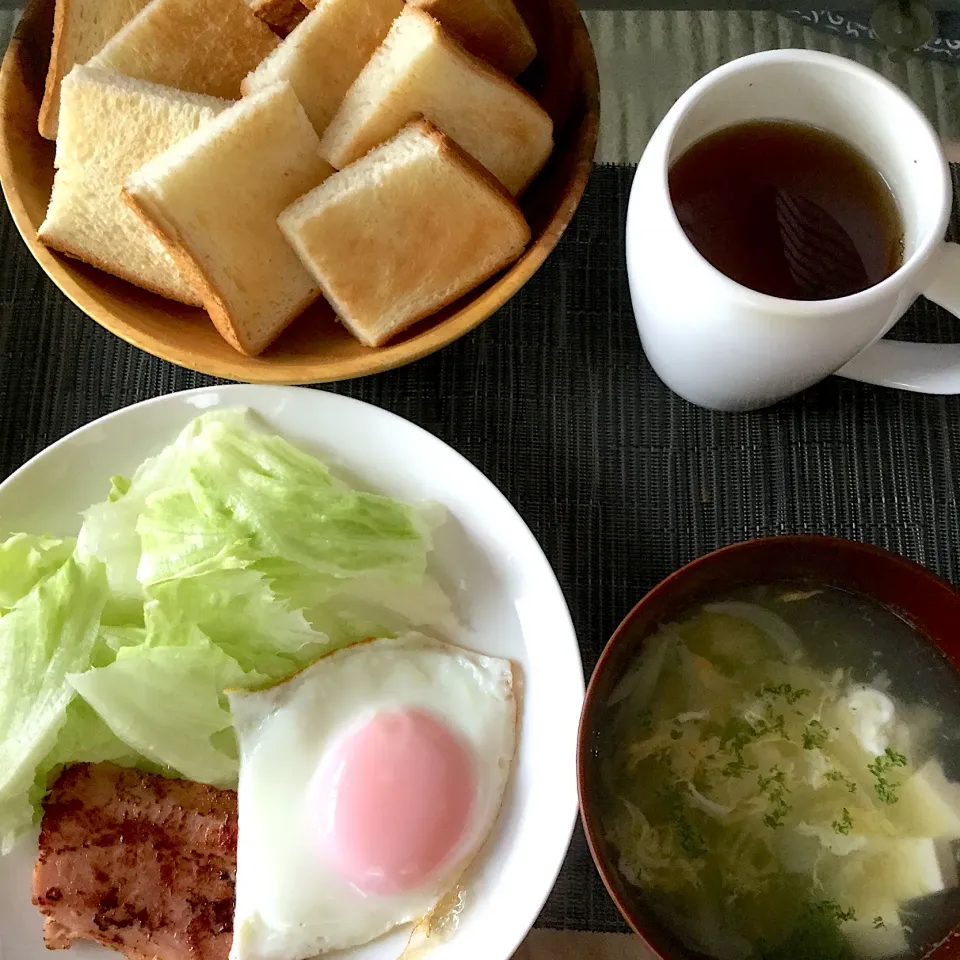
(648,53)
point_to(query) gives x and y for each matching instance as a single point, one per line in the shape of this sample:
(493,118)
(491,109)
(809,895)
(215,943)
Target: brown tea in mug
(788,209)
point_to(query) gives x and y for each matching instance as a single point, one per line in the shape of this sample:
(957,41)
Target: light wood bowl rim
(315,368)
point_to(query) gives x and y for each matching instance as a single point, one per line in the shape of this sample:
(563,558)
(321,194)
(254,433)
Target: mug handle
(920,367)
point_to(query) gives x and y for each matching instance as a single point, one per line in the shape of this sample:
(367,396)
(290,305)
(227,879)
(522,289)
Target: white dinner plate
(486,558)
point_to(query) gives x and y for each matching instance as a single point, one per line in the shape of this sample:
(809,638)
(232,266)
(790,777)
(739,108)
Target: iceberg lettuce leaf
(47,635)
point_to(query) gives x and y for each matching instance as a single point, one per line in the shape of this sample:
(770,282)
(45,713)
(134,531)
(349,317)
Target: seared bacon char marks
(140,863)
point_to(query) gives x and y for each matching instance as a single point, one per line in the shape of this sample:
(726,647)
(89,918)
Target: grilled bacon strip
(140,863)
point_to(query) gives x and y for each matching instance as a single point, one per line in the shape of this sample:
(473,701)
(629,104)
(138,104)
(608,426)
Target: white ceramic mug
(722,345)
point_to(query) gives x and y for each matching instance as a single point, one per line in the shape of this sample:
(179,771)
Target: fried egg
(368,782)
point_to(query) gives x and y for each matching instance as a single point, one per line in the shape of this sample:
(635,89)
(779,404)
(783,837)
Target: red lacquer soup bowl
(927,603)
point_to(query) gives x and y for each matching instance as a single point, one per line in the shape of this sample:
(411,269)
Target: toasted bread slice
(420,70)
(281,15)
(109,126)
(80,29)
(213,199)
(204,46)
(325,54)
(410,227)
(491,29)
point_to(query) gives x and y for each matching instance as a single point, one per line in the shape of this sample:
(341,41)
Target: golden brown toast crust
(446,37)
(280,15)
(450,149)
(471,168)
(481,66)
(61,62)
(49,108)
(54,243)
(490,29)
(199,279)
(340,157)
(201,46)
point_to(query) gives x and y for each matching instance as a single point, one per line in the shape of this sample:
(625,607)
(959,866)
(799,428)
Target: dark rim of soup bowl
(928,603)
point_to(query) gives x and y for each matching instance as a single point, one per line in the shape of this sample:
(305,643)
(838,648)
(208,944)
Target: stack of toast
(251,156)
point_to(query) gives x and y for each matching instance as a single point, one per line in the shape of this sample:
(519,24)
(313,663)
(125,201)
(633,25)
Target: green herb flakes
(845,824)
(887,761)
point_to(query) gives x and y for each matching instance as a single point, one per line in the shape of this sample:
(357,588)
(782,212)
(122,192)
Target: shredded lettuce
(230,559)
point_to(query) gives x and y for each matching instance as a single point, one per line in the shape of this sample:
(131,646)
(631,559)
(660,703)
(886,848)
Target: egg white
(291,903)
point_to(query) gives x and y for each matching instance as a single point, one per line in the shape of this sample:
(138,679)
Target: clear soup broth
(781,778)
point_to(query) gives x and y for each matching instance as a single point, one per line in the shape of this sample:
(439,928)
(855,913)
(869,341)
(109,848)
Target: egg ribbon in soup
(769,808)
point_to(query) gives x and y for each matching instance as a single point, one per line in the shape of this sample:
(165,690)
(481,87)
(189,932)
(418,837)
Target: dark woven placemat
(621,481)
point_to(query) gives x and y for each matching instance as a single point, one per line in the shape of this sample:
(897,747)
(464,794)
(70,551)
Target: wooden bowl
(929,604)
(315,348)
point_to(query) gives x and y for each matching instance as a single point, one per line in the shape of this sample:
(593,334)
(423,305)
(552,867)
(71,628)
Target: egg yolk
(396,796)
